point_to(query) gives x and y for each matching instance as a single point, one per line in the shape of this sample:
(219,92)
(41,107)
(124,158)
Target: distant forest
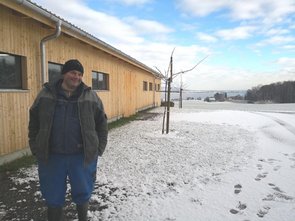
(281,92)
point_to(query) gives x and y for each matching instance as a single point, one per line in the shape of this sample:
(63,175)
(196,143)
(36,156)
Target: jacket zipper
(81,128)
(51,122)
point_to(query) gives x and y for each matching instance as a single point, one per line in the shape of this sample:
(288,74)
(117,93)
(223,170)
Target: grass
(29,160)
(23,162)
(121,122)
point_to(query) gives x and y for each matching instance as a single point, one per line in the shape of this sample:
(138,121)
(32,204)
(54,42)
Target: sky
(246,43)
(221,161)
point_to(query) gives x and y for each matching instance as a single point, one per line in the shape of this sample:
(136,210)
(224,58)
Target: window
(54,71)
(145,86)
(159,87)
(150,86)
(100,81)
(11,71)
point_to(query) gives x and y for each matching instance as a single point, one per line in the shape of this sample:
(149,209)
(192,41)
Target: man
(67,133)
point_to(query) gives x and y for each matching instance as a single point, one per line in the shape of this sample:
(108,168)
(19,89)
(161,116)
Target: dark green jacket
(92,117)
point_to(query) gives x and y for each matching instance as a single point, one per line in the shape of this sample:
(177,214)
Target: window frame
(105,81)
(22,73)
(145,86)
(57,64)
(150,86)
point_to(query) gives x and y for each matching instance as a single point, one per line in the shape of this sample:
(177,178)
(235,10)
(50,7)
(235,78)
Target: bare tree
(168,81)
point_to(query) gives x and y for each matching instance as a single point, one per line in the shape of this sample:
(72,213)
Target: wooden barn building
(34,43)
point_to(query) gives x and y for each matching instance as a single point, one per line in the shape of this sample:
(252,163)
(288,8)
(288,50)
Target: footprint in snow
(262,212)
(239,208)
(238,188)
(277,195)
(242,206)
(261,176)
(271,160)
(170,219)
(259,166)
(276,168)
(234,211)
(276,188)
(292,158)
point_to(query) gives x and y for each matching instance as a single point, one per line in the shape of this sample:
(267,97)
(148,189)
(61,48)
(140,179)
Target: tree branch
(182,72)
(161,74)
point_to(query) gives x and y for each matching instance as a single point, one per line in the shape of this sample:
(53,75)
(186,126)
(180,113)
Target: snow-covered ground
(220,161)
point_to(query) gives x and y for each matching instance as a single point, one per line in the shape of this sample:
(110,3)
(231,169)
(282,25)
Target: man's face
(72,79)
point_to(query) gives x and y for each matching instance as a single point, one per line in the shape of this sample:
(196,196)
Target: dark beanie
(72,64)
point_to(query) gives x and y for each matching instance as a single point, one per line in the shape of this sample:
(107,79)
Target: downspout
(154,92)
(42,47)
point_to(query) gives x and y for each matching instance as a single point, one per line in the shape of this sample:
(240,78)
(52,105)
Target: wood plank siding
(22,29)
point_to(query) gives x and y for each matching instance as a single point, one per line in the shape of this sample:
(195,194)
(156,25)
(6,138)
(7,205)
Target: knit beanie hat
(72,64)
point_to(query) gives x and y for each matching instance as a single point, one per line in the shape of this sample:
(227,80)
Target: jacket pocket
(41,143)
(91,142)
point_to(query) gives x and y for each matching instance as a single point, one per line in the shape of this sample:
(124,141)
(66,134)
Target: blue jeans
(53,178)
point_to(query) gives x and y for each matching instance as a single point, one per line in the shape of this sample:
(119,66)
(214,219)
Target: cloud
(289,47)
(286,62)
(277,31)
(94,22)
(269,11)
(242,32)
(200,7)
(216,78)
(158,55)
(131,2)
(227,78)
(247,9)
(278,10)
(148,26)
(188,26)
(207,38)
(277,40)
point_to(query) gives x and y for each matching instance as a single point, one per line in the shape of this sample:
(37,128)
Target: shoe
(54,213)
(82,210)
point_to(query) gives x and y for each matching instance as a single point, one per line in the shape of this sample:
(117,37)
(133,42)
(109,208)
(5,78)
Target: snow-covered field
(220,162)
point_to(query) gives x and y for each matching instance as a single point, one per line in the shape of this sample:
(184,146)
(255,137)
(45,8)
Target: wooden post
(165,108)
(168,99)
(180,98)
(180,92)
